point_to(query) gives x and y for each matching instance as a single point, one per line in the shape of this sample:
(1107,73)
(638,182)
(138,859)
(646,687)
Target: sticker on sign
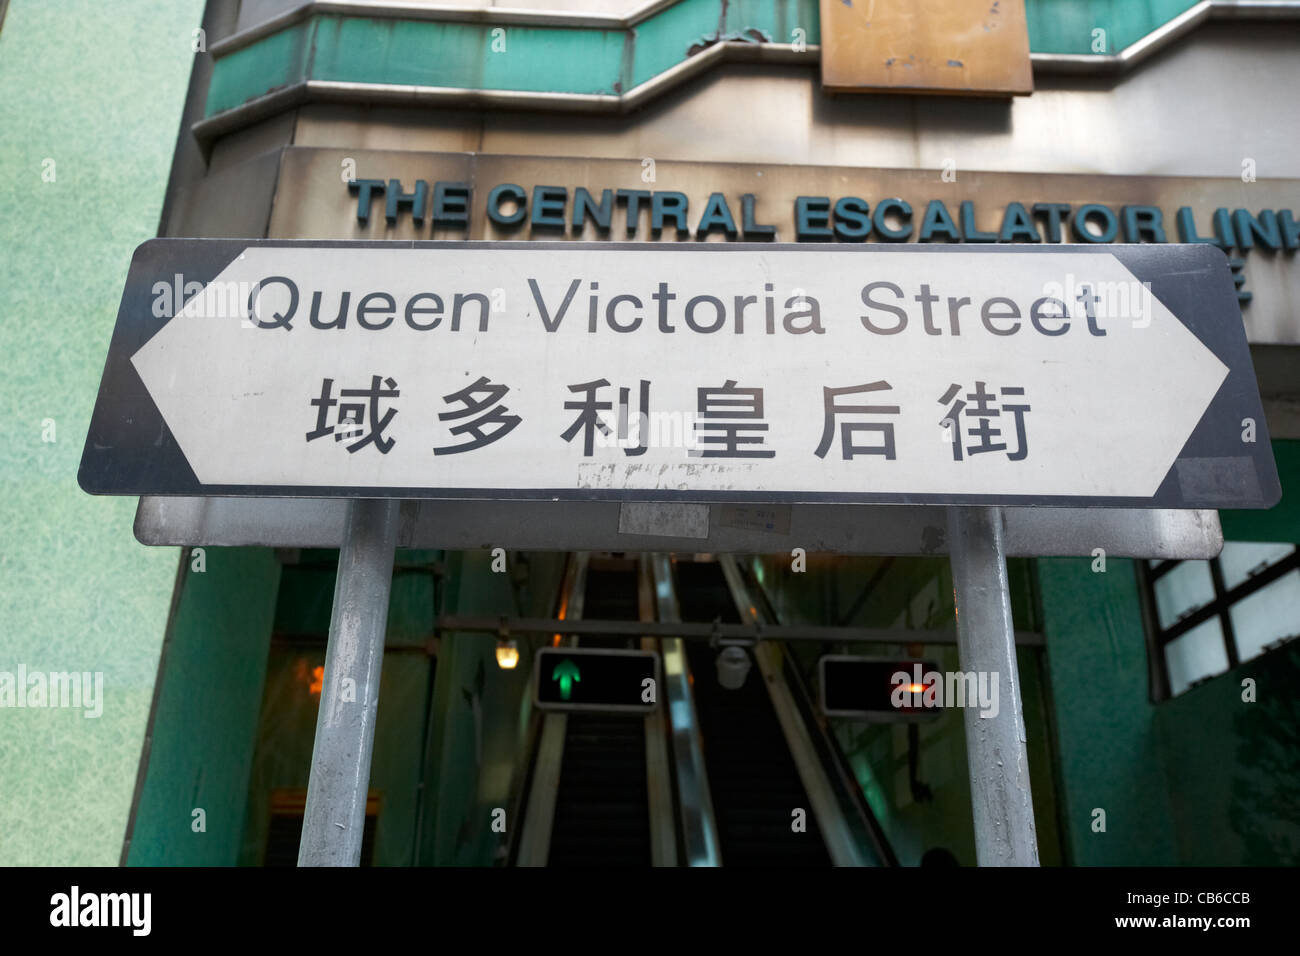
(1004,375)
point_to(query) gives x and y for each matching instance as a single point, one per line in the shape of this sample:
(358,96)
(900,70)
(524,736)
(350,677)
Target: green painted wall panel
(1109,753)
(467,55)
(221,661)
(1236,796)
(594,60)
(206,719)
(90,98)
(278,60)
(539,60)
(462,55)
(663,42)
(1235,765)
(1066,26)
(1206,778)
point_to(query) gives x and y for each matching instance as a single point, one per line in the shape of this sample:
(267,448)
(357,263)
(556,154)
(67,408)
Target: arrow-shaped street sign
(1082,375)
(566,672)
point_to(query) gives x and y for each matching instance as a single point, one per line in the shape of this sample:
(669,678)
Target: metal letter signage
(1011,375)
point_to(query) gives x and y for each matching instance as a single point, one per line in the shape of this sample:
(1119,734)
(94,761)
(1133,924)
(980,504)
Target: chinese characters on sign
(724,413)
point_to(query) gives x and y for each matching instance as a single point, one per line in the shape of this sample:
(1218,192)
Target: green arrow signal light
(566,672)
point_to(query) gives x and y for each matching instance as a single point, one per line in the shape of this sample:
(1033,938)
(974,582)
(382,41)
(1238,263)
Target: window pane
(1271,613)
(1239,558)
(1182,590)
(1196,654)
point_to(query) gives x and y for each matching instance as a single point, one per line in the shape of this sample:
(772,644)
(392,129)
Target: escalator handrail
(843,781)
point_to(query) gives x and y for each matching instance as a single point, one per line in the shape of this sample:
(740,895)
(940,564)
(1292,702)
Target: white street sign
(1000,375)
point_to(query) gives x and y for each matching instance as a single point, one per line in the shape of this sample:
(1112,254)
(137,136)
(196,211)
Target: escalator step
(753,780)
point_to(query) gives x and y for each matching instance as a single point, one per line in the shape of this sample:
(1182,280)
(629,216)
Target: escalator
(602,813)
(753,778)
(714,776)
(598,791)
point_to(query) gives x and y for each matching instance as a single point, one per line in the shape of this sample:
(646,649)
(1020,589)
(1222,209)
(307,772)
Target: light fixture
(733,667)
(507,655)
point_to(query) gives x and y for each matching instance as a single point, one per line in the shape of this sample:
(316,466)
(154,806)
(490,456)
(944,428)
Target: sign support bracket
(334,820)
(995,745)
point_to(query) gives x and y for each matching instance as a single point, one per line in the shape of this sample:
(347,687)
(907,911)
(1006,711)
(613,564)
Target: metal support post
(995,744)
(334,820)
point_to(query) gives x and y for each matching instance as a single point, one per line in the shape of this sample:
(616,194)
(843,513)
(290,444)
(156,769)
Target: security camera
(733,667)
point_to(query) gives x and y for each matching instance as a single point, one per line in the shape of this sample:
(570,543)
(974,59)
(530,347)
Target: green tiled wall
(90,101)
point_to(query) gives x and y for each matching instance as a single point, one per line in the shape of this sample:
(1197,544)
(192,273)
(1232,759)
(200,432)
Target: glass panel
(1182,590)
(1196,654)
(1268,615)
(1240,558)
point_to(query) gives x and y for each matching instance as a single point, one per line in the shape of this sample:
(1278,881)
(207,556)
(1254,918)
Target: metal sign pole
(334,820)
(995,744)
